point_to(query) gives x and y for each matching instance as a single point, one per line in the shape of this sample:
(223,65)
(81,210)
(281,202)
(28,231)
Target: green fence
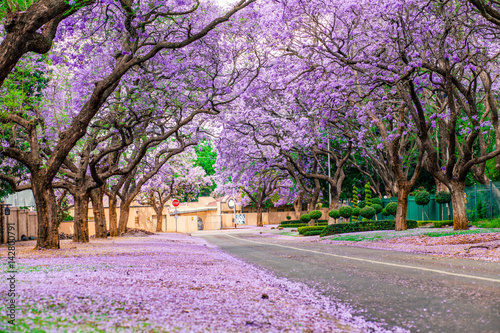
(482,201)
(430,212)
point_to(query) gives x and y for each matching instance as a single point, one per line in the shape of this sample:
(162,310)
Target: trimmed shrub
(315,214)
(355,212)
(378,208)
(305,218)
(437,224)
(299,224)
(391,208)
(440,224)
(288,217)
(377,201)
(368,195)
(367,212)
(422,198)
(443,197)
(342,228)
(362,204)
(291,222)
(313,233)
(384,212)
(334,214)
(305,229)
(345,212)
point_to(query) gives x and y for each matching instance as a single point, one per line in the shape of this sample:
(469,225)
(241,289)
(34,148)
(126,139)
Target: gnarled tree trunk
(403,192)
(159,219)
(457,190)
(97,196)
(259,216)
(80,220)
(113,219)
(46,208)
(297,205)
(124,213)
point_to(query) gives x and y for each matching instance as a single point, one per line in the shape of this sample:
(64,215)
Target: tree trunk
(259,216)
(402,208)
(113,219)
(297,205)
(80,221)
(46,208)
(457,190)
(124,213)
(97,196)
(159,219)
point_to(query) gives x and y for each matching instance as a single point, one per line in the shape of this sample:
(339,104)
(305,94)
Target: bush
(367,212)
(362,204)
(391,208)
(422,198)
(299,224)
(439,224)
(305,229)
(315,214)
(377,201)
(443,197)
(305,218)
(288,217)
(384,212)
(378,208)
(355,211)
(334,214)
(313,232)
(291,222)
(345,212)
(342,228)
(368,195)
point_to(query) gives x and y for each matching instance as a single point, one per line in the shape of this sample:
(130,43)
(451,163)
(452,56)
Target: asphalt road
(413,291)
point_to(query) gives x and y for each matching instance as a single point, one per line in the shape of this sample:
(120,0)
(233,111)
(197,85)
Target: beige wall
(24,222)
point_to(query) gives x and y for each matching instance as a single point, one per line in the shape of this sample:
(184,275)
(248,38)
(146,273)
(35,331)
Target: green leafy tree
(206,156)
(334,214)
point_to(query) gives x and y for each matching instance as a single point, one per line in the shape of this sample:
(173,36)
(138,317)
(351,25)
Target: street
(413,291)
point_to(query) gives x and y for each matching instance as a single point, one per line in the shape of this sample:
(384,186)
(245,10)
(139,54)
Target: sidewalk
(162,283)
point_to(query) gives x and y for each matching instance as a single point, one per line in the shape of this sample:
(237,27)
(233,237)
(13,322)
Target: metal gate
(200,223)
(213,222)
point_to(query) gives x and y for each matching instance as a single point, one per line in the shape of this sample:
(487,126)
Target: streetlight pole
(329,176)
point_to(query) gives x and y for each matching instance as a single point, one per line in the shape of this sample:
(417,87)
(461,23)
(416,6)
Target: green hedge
(313,232)
(303,230)
(299,222)
(298,225)
(343,228)
(439,224)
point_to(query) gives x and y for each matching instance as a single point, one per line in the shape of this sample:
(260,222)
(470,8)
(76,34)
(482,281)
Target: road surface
(413,291)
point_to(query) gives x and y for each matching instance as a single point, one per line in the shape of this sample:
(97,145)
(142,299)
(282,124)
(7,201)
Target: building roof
(193,210)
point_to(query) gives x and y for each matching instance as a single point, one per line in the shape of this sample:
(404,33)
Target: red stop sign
(175,202)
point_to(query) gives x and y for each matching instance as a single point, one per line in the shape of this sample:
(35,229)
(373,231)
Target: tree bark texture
(80,220)
(113,218)
(46,207)
(457,190)
(97,196)
(124,214)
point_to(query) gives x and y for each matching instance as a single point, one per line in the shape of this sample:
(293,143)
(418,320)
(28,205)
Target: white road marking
(374,261)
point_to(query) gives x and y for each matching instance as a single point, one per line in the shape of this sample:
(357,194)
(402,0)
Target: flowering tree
(132,36)
(178,178)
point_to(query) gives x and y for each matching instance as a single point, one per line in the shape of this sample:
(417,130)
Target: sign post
(175,203)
